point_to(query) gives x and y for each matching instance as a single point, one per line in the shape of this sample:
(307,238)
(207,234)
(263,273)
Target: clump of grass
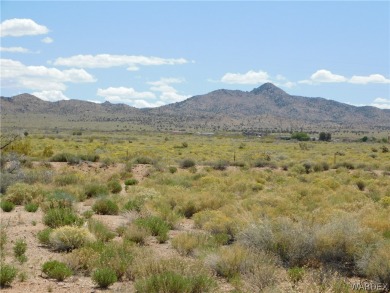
(44,236)
(21,193)
(172,169)
(100,231)
(114,186)
(7,206)
(230,261)
(156,226)
(68,238)
(220,165)
(66,179)
(56,270)
(187,243)
(20,249)
(105,206)
(58,199)
(95,190)
(7,274)
(295,274)
(143,160)
(58,217)
(361,185)
(31,207)
(135,234)
(134,204)
(187,163)
(104,277)
(131,181)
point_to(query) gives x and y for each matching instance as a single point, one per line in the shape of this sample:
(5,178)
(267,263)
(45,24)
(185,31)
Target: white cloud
(373,78)
(146,104)
(18,27)
(168,93)
(94,101)
(324,76)
(106,60)
(14,50)
(47,40)
(251,77)
(381,103)
(17,75)
(123,94)
(50,96)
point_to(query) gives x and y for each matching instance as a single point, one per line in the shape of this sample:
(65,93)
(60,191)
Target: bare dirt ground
(21,224)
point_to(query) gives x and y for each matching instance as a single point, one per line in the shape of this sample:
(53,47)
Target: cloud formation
(381,103)
(50,96)
(168,94)
(14,50)
(17,75)
(106,61)
(125,95)
(19,27)
(47,40)
(325,76)
(251,77)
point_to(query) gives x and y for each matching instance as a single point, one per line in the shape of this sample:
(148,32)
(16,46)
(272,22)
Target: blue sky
(153,53)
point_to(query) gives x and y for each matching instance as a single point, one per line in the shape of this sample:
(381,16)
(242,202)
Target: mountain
(264,108)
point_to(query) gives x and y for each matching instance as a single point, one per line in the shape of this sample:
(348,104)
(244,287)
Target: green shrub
(156,226)
(7,274)
(174,282)
(7,206)
(104,277)
(143,160)
(65,157)
(187,163)
(134,204)
(44,236)
(301,136)
(105,206)
(172,169)
(31,207)
(361,185)
(114,186)
(20,248)
(58,217)
(3,240)
(220,165)
(230,261)
(131,181)
(90,157)
(295,274)
(56,270)
(135,234)
(95,190)
(66,179)
(67,238)
(101,231)
(21,193)
(58,199)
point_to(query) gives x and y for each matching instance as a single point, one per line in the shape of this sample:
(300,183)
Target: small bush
(58,217)
(295,274)
(101,231)
(361,185)
(31,207)
(134,204)
(131,181)
(105,206)
(114,186)
(186,243)
(44,236)
(187,163)
(90,157)
(230,261)
(20,248)
(3,239)
(156,226)
(58,199)
(143,160)
(65,157)
(7,206)
(21,193)
(95,190)
(172,169)
(104,277)
(7,274)
(174,282)
(66,179)
(135,234)
(220,165)
(68,238)
(56,270)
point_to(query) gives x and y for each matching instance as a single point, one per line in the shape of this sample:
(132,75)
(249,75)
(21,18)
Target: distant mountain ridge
(265,107)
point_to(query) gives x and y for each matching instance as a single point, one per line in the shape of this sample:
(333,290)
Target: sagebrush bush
(7,206)
(156,226)
(172,169)
(95,190)
(67,238)
(131,181)
(220,165)
(187,243)
(7,274)
(58,217)
(21,193)
(56,270)
(104,277)
(114,186)
(105,206)
(187,163)
(100,230)
(83,259)
(58,199)
(136,234)
(66,179)
(143,160)
(44,236)
(31,207)
(134,204)
(174,282)
(230,261)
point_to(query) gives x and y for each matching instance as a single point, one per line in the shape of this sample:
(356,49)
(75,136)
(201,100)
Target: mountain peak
(268,89)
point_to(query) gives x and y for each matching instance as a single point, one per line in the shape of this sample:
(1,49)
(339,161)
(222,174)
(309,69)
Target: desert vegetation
(188,213)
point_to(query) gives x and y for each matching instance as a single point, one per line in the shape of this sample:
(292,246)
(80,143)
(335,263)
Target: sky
(148,54)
